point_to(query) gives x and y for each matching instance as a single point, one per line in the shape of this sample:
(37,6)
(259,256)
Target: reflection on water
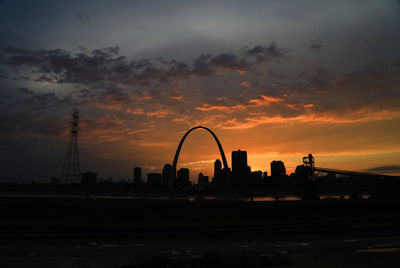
(346,197)
(191,198)
(109,245)
(378,250)
(269,198)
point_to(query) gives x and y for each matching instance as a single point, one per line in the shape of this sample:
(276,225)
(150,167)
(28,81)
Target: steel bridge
(309,162)
(351,173)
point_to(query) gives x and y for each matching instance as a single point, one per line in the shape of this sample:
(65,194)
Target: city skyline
(277,79)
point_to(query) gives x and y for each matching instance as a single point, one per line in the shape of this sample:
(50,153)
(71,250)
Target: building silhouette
(168,176)
(220,176)
(137,176)
(217,168)
(240,170)
(182,179)
(278,169)
(239,161)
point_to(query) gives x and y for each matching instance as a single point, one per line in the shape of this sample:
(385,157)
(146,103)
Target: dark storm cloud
(368,94)
(350,96)
(373,88)
(105,65)
(265,53)
(37,101)
(30,125)
(28,107)
(26,113)
(229,62)
(84,68)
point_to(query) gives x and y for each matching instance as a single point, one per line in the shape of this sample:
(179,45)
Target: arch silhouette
(216,140)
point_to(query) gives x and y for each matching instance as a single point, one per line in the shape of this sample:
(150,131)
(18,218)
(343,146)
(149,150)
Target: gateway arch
(178,150)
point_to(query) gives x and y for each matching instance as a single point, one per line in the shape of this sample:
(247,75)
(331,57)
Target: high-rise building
(137,175)
(183,174)
(240,170)
(219,179)
(278,169)
(182,179)
(217,168)
(168,176)
(239,161)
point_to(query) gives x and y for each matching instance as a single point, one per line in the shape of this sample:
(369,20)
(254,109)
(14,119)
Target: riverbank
(24,217)
(76,232)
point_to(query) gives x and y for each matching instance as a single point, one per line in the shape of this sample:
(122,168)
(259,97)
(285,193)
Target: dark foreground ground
(57,232)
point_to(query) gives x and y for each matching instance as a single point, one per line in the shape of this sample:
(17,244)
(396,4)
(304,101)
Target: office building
(167,176)
(240,170)
(278,169)
(182,179)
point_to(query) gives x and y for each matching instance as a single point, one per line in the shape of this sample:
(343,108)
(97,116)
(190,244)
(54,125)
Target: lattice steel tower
(71,168)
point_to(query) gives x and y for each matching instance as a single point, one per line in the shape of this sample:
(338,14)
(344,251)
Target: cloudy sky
(279,79)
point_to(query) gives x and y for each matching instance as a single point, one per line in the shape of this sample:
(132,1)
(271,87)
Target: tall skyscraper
(137,175)
(239,161)
(182,179)
(168,176)
(183,174)
(240,170)
(219,179)
(278,169)
(217,168)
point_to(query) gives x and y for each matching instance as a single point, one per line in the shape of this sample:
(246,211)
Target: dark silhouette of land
(236,219)
(276,233)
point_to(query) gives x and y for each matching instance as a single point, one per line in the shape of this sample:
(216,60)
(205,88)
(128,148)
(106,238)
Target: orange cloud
(240,71)
(153,144)
(146,96)
(158,114)
(137,111)
(109,105)
(309,118)
(176,97)
(265,100)
(244,84)
(291,106)
(208,107)
(180,119)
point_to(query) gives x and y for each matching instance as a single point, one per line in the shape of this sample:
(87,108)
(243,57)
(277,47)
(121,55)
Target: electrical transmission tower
(71,168)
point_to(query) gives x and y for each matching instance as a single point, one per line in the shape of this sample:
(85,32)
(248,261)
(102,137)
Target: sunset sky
(279,79)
